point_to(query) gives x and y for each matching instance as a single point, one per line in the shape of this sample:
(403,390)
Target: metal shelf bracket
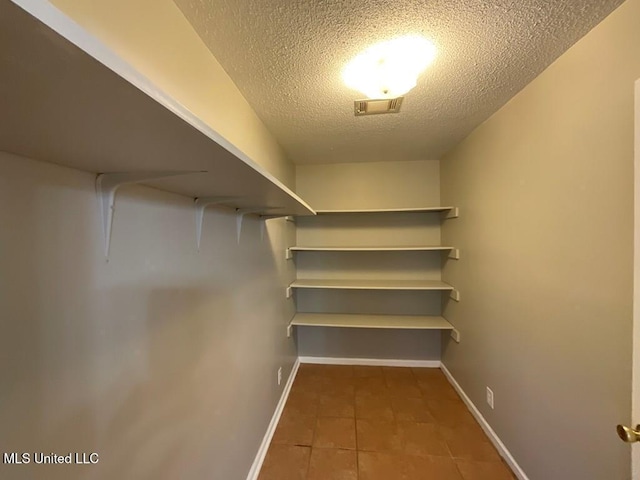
(106,186)
(454,254)
(453,213)
(201,204)
(454,295)
(240,213)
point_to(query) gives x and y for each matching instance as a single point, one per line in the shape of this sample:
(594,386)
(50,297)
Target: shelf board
(387,210)
(69,100)
(373,284)
(339,320)
(408,248)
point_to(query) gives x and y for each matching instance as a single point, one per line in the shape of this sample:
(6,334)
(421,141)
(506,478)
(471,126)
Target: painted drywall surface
(368,343)
(163,360)
(545,190)
(369,185)
(362,186)
(155,38)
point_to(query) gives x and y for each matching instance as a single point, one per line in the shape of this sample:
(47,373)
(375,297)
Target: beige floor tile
(422,439)
(411,409)
(430,468)
(336,406)
(372,386)
(393,466)
(333,464)
(398,373)
(337,371)
(302,402)
(311,369)
(379,436)
(468,442)
(438,393)
(404,388)
(285,462)
(450,413)
(340,386)
(380,466)
(335,433)
(471,470)
(365,371)
(426,374)
(295,429)
(437,388)
(374,407)
(309,383)
(406,424)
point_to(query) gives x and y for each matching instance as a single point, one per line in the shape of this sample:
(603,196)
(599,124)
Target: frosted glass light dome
(389,69)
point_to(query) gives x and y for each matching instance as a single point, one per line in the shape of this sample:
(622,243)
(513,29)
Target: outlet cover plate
(490,397)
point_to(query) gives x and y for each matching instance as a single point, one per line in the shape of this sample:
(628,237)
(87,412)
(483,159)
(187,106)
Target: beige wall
(163,360)
(156,39)
(369,185)
(363,186)
(545,188)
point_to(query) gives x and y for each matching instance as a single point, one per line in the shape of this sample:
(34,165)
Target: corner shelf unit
(384,321)
(68,100)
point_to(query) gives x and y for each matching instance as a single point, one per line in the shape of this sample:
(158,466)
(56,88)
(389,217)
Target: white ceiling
(286,57)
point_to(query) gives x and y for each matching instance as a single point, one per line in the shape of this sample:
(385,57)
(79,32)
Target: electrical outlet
(455,334)
(490,397)
(279,375)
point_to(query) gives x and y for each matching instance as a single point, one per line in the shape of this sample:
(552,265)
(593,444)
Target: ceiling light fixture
(389,69)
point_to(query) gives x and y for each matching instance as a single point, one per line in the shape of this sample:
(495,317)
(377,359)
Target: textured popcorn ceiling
(286,57)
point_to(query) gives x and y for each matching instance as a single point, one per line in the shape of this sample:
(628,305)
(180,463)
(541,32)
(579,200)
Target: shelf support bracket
(268,216)
(454,254)
(454,295)
(108,183)
(453,213)
(201,204)
(240,213)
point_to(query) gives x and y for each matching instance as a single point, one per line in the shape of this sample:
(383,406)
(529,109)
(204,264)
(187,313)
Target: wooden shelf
(388,210)
(374,284)
(69,100)
(339,320)
(410,248)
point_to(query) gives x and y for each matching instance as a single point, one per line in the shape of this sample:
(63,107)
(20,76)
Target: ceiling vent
(374,107)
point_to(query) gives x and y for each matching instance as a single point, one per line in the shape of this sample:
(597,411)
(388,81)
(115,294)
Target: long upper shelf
(374,284)
(340,320)
(69,100)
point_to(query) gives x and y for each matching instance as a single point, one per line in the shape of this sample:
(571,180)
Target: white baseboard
(370,362)
(266,441)
(485,426)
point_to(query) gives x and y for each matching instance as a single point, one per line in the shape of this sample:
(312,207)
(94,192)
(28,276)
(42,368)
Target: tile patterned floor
(378,423)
